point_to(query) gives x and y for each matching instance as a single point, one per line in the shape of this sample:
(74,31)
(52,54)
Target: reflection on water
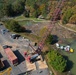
(71,56)
(73,44)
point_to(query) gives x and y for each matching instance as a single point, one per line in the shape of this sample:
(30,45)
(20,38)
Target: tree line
(12,9)
(69,12)
(47,7)
(35,8)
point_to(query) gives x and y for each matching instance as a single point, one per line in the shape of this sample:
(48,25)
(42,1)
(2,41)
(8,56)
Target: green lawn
(30,36)
(21,18)
(26,22)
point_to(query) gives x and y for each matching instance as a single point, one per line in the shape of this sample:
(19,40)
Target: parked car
(4,30)
(14,36)
(6,46)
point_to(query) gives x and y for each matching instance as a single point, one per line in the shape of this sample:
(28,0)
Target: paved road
(22,44)
(5,39)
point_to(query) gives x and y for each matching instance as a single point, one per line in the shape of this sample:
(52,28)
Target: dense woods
(12,8)
(35,8)
(47,7)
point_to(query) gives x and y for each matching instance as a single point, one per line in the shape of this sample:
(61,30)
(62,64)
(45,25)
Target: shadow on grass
(28,31)
(55,39)
(19,55)
(69,64)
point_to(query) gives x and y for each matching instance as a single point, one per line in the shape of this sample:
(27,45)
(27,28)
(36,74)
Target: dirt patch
(71,25)
(35,28)
(61,32)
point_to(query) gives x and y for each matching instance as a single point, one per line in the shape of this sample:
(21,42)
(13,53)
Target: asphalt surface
(22,45)
(5,37)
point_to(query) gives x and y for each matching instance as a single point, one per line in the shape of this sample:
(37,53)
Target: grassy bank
(22,18)
(30,36)
(71,27)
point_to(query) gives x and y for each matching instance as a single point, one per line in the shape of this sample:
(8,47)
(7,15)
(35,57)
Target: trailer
(11,56)
(1,64)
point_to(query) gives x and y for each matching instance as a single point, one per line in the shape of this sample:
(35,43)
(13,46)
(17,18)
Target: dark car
(6,46)
(14,36)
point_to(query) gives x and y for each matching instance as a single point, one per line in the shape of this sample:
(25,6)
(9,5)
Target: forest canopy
(35,8)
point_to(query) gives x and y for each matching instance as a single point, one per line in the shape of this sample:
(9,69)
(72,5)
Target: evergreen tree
(13,26)
(67,15)
(57,61)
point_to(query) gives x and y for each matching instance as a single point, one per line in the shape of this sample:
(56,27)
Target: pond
(71,56)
